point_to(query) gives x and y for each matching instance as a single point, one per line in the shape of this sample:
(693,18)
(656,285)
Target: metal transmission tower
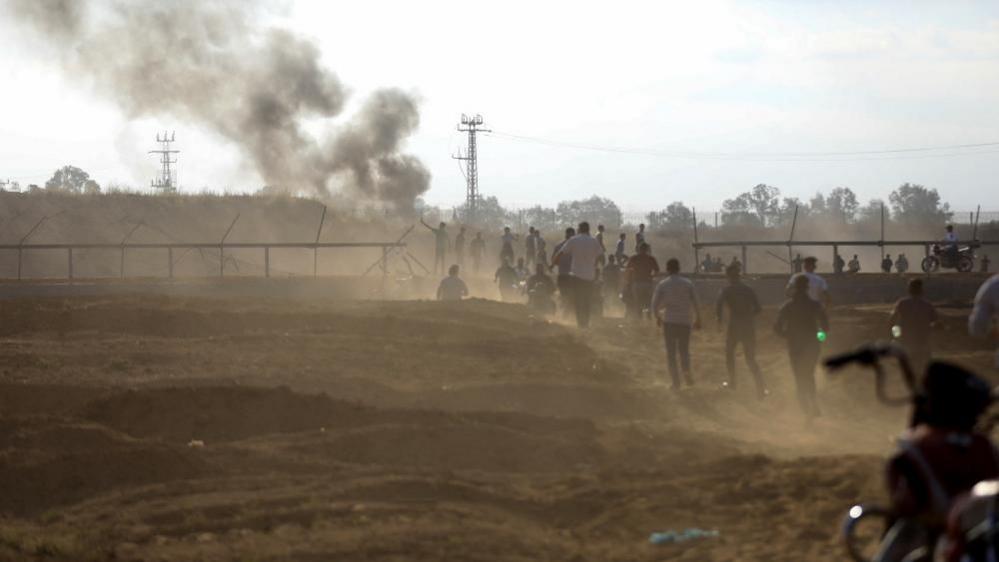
(471,125)
(167,181)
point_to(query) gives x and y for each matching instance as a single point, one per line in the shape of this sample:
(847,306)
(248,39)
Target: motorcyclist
(950,242)
(940,458)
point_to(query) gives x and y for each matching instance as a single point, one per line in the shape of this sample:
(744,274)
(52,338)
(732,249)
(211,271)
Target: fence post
(745,261)
(121,266)
(170,262)
(19,264)
(69,262)
(267,261)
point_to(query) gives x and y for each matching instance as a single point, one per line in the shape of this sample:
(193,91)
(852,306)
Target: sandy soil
(414,430)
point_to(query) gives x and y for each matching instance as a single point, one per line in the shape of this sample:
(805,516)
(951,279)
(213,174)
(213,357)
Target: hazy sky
(708,86)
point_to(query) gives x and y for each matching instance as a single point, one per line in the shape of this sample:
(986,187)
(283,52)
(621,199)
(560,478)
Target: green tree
(842,205)
(72,179)
(872,211)
(759,206)
(913,203)
(675,216)
(596,210)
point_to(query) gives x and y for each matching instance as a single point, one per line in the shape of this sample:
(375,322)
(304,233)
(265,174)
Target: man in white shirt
(674,304)
(584,251)
(982,321)
(818,289)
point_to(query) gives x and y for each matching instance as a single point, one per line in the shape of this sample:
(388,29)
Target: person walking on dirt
(912,322)
(612,279)
(641,271)
(802,321)
(506,249)
(541,252)
(563,264)
(982,321)
(506,277)
(583,251)
(674,305)
(478,249)
(619,249)
(530,246)
(452,288)
(459,247)
(603,249)
(818,289)
(743,307)
(441,243)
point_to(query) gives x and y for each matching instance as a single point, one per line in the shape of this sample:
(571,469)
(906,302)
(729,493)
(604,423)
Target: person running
(452,288)
(540,290)
(674,304)
(619,248)
(477,248)
(901,263)
(459,247)
(506,249)
(583,251)
(639,237)
(854,265)
(603,249)
(886,264)
(641,271)
(803,323)
(743,308)
(912,322)
(563,264)
(506,277)
(522,272)
(530,246)
(440,244)
(818,289)
(982,321)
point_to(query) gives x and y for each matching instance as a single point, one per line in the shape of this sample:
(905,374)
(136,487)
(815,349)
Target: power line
(908,153)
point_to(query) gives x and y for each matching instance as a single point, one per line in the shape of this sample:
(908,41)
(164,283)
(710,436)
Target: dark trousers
(746,337)
(564,283)
(582,297)
(804,356)
(677,338)
(641,300)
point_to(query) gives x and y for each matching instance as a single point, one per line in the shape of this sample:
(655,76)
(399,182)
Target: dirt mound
(221,413)
(46,462)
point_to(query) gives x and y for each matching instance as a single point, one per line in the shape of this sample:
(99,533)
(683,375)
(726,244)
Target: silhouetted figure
(583,251)
(459,247)
(803,323)
(901,263)
(639,237)
(708,264)
(619,248)
(854,265)
(440,245)
(563,264)
(540,291)
(602,260)
(530,246)
(506,278)
(838,264)
(796,263)
(985,264)
(674,304)
(522,272)
(452,288)
(506,248)
(912,323)
(478,249)
(818,289)
(743,307)
(640,273)
(886,264)
(541,251)
(612,279)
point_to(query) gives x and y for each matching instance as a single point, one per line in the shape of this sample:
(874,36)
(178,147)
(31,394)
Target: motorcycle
(962,260)
(977,527)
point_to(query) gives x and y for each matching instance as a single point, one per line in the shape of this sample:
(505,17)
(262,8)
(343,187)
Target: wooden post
(69,262)
(745,261)
(790,238)
(267,261)
(19,264)
(170,262)
(121,266)
(384,262)
(835,253)
(222,260)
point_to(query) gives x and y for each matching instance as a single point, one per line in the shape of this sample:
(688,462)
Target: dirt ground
(176,428)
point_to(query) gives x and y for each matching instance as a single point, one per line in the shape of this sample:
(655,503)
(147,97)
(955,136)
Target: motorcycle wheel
(930,264)
(965,264)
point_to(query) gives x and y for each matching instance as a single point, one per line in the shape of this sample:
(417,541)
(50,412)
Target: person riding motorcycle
(940,459)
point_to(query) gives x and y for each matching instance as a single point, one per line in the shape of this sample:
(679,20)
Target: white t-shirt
(816,285)
(584,251)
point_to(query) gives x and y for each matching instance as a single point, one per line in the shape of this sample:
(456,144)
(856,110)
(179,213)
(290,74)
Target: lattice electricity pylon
(471,125)
(167,180)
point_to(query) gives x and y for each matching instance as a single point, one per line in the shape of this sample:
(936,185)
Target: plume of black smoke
(213,63)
